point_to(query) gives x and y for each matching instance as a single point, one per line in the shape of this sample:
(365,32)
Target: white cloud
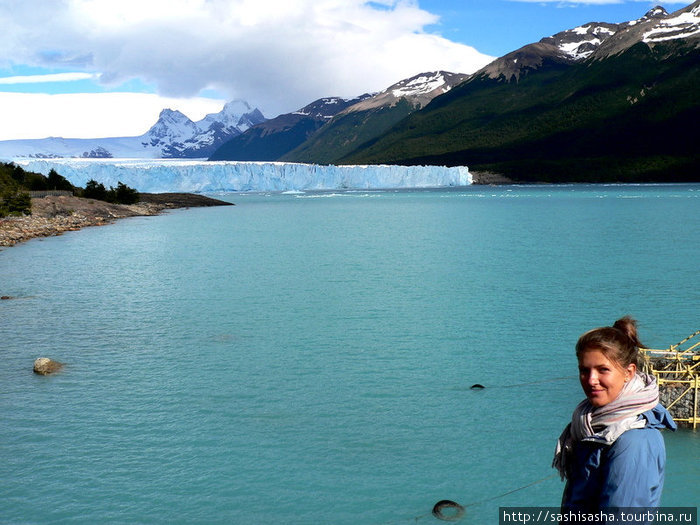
(53,77)
(91,115)
(277,54)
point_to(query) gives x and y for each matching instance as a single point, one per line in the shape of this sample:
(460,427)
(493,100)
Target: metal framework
(677,370)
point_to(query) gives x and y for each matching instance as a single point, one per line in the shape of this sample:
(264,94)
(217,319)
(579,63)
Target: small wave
(354,195)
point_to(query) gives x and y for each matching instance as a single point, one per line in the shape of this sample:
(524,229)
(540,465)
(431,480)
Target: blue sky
(497,27)
(91,68)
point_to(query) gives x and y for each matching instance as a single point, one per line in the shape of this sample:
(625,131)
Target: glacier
(201,176)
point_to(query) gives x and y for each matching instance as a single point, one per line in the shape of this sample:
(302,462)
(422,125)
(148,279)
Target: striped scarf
(605,424)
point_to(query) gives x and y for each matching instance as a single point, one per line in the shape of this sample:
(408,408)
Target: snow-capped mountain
(273,138)
(237,114)
(174,135)
(656,27)
(598,40)
(172,127)
(372,116)
(417,90)
(328,107)
(581,42)
(600,102)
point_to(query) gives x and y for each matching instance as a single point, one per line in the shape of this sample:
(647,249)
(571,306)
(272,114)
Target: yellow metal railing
(677,368)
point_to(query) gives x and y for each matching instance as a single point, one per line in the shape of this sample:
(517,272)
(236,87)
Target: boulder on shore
(44,366)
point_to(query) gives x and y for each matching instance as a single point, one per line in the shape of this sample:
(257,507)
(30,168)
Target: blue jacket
(628,473)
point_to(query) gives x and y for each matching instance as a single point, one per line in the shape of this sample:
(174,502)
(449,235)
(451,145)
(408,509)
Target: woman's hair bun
(628,326)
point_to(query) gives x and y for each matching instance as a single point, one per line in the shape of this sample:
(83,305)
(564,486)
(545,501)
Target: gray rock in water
(45,366)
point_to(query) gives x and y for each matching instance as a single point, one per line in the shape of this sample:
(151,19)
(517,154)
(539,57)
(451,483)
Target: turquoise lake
(306,358)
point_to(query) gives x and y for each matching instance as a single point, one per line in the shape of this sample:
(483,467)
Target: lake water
(307,358)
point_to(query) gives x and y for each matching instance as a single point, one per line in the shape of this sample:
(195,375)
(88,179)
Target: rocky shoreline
(55,215)
(487,178)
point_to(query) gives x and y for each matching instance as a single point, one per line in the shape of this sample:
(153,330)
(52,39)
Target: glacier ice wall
(158,176)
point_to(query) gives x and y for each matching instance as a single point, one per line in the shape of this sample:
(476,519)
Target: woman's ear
(630,371)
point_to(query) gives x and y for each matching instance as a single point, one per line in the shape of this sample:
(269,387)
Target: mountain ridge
(269,140)
(372,116)
(623,112)
(628,118)
(173,135)
(576,101)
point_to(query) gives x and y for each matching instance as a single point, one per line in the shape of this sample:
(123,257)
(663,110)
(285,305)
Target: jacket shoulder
(660,418)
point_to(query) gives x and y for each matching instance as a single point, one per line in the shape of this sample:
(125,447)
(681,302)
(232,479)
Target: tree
(95,190)
(125,195)
(58,182)
(15,203)
(122,194)
(35,181)
(17,173)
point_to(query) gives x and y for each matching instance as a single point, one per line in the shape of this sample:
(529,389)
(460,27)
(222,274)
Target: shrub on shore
(14,176)
(15,202)
(122,194)
(15,183)
(14,199)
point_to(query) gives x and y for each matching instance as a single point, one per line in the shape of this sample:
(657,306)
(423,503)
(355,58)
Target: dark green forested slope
(265,143)
(345,132)
(629,117)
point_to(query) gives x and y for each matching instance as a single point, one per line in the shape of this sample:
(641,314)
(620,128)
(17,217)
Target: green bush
(15,182)
(95,190)
(15,203)
(124,194)
(58,182)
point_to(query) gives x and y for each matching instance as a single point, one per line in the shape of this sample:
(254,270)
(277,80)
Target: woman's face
(602,379)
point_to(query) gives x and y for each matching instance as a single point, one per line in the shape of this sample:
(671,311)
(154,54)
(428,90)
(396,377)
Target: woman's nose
(592,378)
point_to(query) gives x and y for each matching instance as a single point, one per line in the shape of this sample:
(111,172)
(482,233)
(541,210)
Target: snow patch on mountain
(418,90)
(655,26)
(422,85)
(682,24)
(326,108)
(580,43)
(597,40)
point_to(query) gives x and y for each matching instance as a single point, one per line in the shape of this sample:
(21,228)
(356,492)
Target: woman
(612,454)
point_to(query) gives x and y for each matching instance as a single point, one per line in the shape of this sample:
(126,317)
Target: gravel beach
(54,215)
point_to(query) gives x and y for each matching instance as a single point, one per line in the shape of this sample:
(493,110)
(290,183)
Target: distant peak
(237,107)
(172,115)
(656,12)
(327,107)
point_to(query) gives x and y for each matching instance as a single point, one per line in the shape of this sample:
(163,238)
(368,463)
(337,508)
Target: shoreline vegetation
(54,215)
